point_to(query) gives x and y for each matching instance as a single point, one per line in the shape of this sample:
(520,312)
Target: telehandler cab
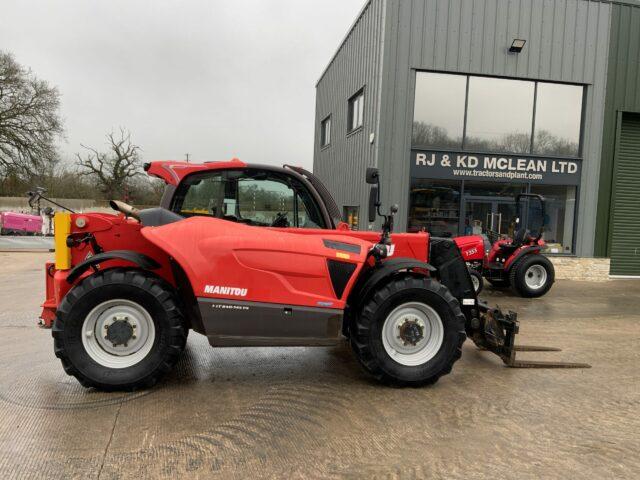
(253,255)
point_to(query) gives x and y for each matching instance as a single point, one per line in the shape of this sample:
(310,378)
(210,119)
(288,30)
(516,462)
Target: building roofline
(344,39)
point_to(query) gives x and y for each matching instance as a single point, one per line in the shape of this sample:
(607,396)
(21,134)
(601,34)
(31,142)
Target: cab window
(254,197)
(199,195)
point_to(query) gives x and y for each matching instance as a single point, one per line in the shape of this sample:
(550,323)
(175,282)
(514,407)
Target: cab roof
(173,171)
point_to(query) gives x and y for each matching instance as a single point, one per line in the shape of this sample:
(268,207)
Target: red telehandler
(255,255)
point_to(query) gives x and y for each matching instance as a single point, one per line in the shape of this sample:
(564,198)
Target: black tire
(499,283)
(478,278)
(154,295)
(366,332)
(521,270)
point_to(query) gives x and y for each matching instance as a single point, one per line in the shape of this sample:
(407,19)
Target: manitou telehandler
(253,255)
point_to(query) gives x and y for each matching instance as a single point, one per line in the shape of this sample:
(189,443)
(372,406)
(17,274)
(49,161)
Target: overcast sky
(216,79)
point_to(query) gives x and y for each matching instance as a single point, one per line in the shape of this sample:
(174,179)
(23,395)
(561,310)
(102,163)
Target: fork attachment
(496,331)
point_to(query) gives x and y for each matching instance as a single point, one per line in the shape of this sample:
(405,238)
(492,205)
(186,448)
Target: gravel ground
(313,413)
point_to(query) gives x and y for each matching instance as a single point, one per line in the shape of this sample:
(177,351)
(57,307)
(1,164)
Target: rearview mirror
(373,176)
(373,204)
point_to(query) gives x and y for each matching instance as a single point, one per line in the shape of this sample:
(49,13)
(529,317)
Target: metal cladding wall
(623,94)
(342,165)
(567,41)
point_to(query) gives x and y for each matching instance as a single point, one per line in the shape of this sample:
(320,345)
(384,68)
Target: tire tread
(155,286)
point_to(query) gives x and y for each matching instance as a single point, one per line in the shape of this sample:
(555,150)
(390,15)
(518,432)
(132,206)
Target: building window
(325,132)
(560,207)
(490,208)
(435,207)
(557,123)
(499,115)
(438,118)
(488,114)
(451,208)
(355,114)
(351,215)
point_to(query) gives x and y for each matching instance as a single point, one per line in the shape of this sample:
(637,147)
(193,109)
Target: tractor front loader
(254,255)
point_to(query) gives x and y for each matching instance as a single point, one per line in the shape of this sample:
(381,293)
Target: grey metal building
(436,94)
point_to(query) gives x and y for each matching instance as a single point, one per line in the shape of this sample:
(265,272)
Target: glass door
(490,216)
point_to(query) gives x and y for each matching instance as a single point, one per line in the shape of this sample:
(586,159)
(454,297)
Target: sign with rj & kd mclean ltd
(491,167)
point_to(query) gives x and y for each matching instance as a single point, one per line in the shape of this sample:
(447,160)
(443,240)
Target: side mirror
(373,176)
(373,204)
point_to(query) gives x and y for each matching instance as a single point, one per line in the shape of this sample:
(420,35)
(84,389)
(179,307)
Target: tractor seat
(156,217)
(520,236)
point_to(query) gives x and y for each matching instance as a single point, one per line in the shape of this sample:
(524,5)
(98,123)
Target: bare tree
(111,171)
(29,120)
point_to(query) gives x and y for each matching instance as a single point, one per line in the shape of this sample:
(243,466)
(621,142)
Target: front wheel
(532,276)
(476,280)
(119,329)
(410,332)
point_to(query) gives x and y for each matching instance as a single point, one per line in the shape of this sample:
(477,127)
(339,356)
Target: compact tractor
(517,261)
(253,255)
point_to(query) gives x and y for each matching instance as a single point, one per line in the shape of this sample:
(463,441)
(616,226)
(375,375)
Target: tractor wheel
(120,329)
(532,276)
(410,332)
(476,279)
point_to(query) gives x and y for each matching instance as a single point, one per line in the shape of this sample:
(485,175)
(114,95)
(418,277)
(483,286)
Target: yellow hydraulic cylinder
(62,228)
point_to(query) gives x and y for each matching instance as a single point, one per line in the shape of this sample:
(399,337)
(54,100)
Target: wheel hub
(411,332)
(535,277)
(120,332)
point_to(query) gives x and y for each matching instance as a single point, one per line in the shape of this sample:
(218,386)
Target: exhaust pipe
(125,208)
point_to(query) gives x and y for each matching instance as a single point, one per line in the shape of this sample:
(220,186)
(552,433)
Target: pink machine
(12,223)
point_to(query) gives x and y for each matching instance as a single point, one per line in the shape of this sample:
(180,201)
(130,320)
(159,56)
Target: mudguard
(388,268)
(140,259)
(520,253)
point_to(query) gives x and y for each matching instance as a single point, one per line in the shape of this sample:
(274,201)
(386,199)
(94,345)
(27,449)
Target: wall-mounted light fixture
(517,45)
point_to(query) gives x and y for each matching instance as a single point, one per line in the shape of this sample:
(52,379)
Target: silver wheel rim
(96,327)
(432,334)
(535,277)
(476,283)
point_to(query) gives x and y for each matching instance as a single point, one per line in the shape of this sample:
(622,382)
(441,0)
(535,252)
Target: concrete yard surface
(313,412)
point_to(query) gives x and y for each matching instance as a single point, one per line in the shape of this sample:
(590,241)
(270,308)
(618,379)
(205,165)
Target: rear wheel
(532,276)
(119,330)
(410,332)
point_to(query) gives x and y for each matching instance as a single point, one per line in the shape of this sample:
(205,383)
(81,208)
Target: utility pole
(187,155)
